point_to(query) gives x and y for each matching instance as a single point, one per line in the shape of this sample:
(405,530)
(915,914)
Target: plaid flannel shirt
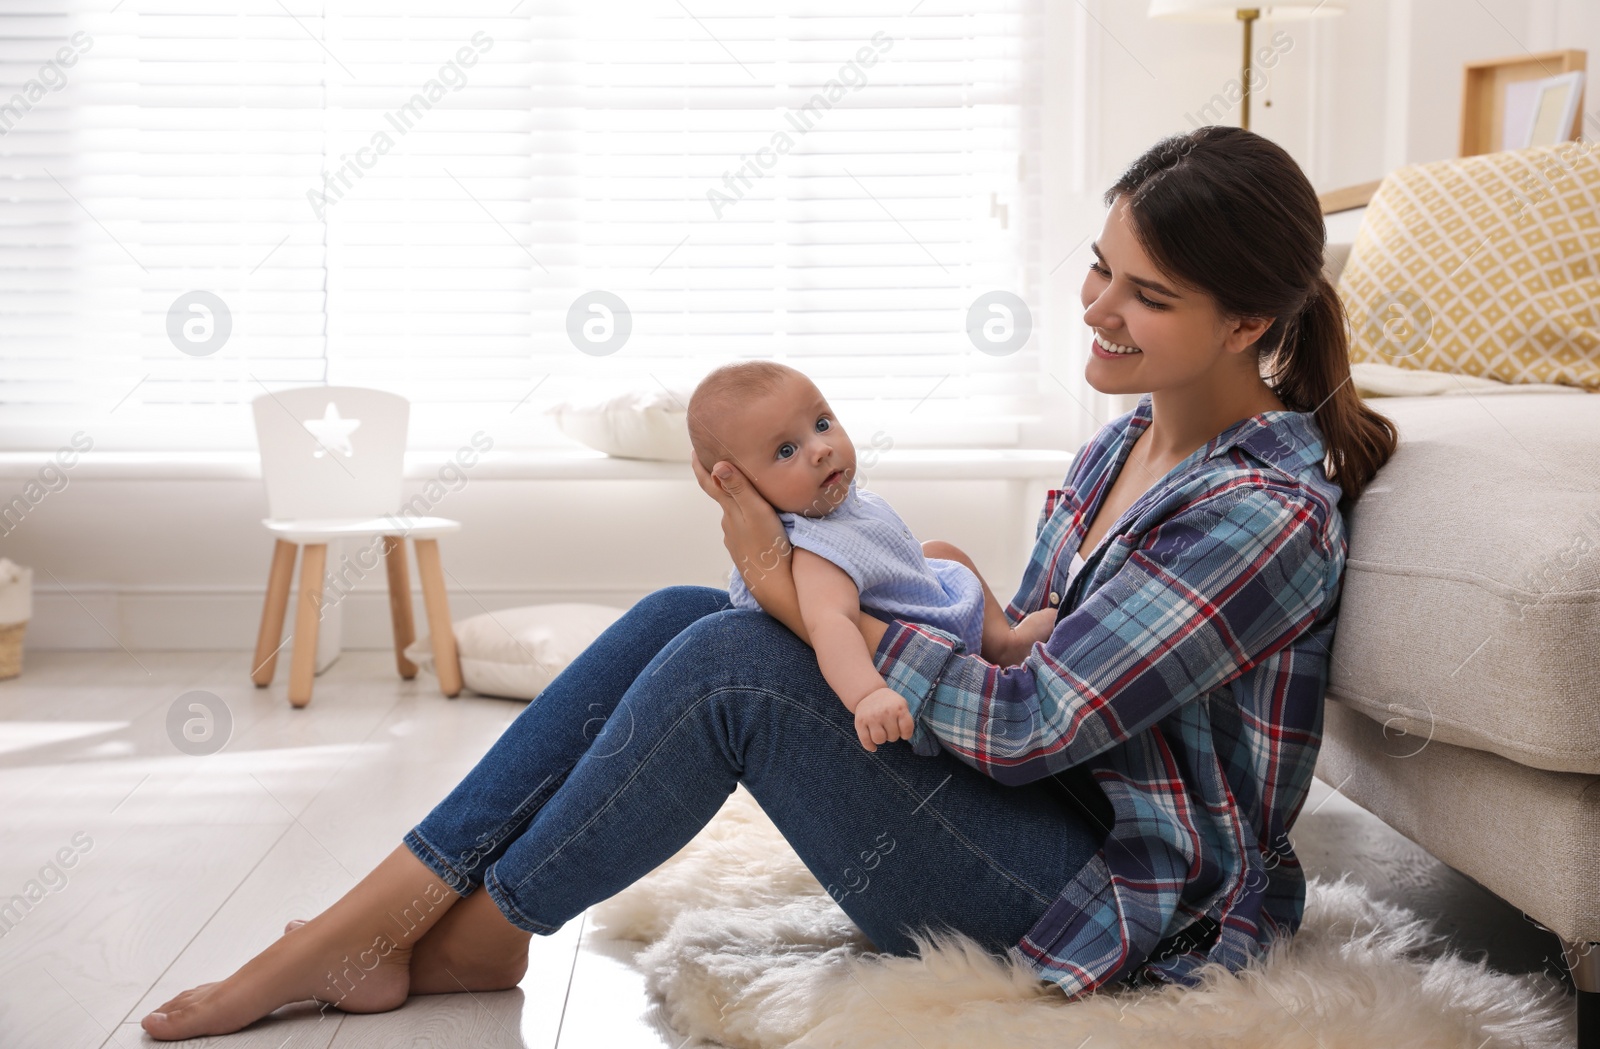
(1184,678)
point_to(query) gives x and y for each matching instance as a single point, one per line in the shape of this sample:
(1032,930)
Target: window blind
(473,204)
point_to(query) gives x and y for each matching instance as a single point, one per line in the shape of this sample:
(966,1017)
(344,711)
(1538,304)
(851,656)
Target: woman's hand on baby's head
(710,480)
(751,531)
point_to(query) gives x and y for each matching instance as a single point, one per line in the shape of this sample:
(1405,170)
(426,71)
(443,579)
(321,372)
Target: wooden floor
(186,865)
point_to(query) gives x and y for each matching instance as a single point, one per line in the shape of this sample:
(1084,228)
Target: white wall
(176,562)
(1354,97)
(165,562)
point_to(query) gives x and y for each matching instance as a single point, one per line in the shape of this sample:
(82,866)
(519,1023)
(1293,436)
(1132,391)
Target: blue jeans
(637,744)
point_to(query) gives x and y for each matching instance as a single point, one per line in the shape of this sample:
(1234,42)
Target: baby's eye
(824,424)
(786,449)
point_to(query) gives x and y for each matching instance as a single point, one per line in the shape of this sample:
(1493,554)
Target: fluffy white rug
(747,949)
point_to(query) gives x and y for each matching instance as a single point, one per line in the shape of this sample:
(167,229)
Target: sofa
(1464,683)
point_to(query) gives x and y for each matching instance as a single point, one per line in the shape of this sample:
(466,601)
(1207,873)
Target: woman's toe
(170,1023)
(181,999)
(162,1023)
(208,1009)
(294,923)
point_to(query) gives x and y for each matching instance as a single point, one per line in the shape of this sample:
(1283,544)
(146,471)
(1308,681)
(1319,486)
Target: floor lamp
(1211,11)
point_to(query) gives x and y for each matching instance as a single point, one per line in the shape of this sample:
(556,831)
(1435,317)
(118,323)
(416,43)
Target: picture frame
(1494,88)
(1540,112)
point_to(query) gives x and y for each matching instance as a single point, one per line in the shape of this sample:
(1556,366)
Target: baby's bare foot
(370,977)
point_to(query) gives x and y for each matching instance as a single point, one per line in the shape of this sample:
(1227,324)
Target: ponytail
(1310,372)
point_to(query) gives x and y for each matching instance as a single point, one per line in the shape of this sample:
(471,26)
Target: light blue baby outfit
(865,537)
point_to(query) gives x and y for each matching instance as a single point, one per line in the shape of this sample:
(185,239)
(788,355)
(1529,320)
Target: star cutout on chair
(332,433)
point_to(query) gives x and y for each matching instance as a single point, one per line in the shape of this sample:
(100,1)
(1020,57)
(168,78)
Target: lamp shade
(1212,11)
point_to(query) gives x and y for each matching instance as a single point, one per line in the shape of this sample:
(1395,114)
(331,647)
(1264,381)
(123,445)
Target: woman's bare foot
(471,948)
(351,975)
(356,956)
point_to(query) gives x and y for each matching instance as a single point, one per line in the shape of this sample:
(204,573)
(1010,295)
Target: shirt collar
(1290,441)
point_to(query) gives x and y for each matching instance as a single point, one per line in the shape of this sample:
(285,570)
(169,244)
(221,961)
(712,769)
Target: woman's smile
(1104,347)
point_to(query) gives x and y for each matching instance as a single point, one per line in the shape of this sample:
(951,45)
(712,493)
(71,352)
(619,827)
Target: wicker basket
(11,648)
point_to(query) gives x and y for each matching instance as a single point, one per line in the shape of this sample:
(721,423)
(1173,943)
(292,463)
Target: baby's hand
(883,717)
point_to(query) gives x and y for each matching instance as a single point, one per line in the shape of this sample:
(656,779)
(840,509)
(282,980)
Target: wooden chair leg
(307,612)
(446,663)
(394,557)
(270,638)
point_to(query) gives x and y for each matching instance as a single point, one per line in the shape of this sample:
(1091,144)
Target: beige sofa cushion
(1530,837)
(1470,611)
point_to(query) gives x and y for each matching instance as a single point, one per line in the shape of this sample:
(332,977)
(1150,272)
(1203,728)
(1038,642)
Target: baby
(851,550)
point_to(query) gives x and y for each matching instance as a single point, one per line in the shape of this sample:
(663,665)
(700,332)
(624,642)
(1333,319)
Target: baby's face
(793,449)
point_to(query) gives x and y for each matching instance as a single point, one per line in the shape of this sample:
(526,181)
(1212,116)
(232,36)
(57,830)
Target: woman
(1114,808)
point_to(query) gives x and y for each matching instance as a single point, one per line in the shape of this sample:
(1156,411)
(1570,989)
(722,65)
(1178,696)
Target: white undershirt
(1072,572)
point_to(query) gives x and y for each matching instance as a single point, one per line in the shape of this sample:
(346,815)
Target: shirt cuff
(911,658)
(924,743)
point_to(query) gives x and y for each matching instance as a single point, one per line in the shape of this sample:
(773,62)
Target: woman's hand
(1018,645)
(756,540)
(751,530)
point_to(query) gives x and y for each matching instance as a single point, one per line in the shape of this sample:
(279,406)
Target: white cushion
(16,592)
(516,652)
(643,423)
(1375,379)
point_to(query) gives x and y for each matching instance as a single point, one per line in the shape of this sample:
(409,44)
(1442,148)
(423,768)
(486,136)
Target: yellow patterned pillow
(1487,265)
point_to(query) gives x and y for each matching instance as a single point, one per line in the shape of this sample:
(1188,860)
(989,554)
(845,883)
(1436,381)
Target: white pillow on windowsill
(516,652)
(644,423)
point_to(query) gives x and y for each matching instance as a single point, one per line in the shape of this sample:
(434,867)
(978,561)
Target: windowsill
(547,465)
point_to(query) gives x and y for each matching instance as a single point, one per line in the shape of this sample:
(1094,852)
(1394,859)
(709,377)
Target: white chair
(332,457)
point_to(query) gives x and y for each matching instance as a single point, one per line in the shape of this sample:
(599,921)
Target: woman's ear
(1245,332)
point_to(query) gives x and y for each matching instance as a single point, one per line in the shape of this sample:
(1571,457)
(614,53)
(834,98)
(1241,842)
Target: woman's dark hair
(1230,213)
